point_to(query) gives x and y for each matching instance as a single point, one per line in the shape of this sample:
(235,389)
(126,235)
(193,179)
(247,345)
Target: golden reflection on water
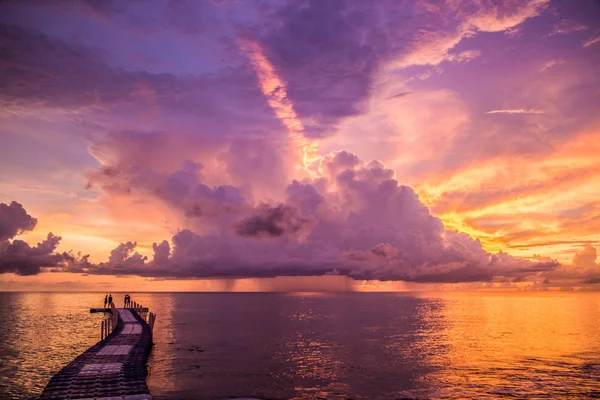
(310,355)
(41,333)
(513,344)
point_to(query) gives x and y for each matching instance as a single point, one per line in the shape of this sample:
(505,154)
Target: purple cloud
(19,257)
(271,222)
(14,220)
(355,219)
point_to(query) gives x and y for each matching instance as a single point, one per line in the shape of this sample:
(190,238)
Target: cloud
(162,252)
(399,95)
(353,219)
(275,90)
(567,26)
(522,203)
(583,270)
(550,64)
(430,48)
(44,72)
(316,48)
(586,258)
(592,40)
(271,221)
(19,257)
(492,16)
(123,255)
(432,45)
(517,111)
(14,220)
(181,189)
(465,56)
(34,68)
(218,147)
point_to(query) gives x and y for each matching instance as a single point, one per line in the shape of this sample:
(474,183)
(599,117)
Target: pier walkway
(115,367)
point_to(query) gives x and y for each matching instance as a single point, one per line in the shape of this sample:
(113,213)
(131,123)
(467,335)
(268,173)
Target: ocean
(324,345)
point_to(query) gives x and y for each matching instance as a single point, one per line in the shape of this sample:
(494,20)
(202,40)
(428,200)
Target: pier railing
(110,321)
(144,313)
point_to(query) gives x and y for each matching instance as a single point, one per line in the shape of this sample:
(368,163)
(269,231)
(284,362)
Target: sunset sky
(387,145)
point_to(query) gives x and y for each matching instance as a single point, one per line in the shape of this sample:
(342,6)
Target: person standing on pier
(105,300)
(109,300)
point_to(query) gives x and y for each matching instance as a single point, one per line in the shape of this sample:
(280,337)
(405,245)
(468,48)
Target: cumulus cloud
(586,258)
(162,251)
(353,219)
(19,257)
(124,255)
(584,268)
(181,189)
(272,221)
(14,220)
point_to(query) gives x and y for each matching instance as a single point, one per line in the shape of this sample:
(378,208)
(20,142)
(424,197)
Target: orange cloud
(548,202)
(275,90)
(432,46)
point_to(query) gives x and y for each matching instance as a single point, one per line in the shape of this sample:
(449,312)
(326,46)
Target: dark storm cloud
(271,221)
(14,220)
(19,257)
(38,70)
(471,273)
(326,51)
(162,252)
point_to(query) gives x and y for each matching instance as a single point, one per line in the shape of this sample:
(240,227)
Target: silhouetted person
(109,300)
(105,300)
(126,301)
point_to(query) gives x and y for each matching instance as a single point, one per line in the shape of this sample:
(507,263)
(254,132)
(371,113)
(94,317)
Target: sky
(299,145)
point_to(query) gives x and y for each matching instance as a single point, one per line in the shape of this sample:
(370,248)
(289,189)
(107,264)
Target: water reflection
(306,345)
(163,356)
(310,351)
(40,333)
(517,345)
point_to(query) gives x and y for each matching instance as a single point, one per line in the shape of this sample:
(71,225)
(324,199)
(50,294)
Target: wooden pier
(115,367)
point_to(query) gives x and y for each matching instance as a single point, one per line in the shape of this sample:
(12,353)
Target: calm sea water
(331,346)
